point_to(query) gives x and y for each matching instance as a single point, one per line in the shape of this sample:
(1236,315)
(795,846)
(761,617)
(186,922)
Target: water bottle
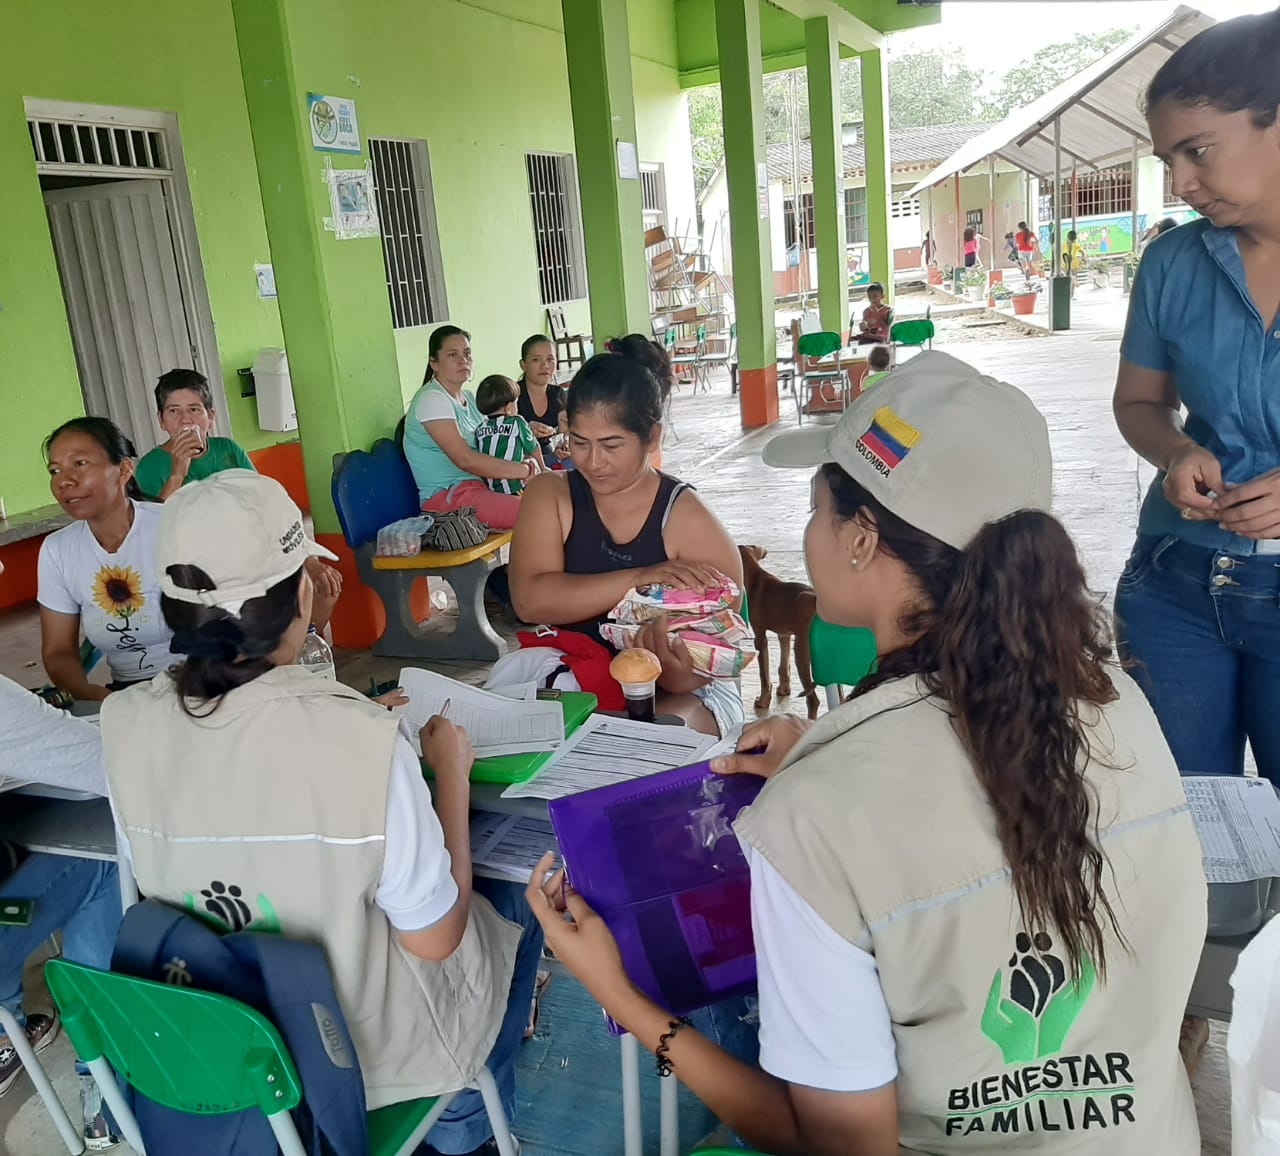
(316,655)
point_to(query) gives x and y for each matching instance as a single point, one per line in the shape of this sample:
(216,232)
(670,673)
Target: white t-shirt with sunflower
(116,595)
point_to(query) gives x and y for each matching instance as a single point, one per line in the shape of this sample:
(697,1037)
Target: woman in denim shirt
(1198,605)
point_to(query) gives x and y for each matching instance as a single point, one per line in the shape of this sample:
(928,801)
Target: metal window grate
(1171,199)
(652,192)
(806,237)
(1097,194)
(855,215)
(69,145)
(557,226)
(410,240)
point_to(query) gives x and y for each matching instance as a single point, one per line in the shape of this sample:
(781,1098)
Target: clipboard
(659,862)
(577,706)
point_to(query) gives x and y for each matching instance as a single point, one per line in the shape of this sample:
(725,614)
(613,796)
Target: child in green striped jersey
(504,433)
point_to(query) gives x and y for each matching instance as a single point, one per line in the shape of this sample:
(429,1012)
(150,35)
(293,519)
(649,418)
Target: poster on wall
(351,201)
(333,124)
(762,190)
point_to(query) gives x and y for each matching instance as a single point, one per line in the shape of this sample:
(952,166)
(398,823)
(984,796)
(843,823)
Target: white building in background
(912,153)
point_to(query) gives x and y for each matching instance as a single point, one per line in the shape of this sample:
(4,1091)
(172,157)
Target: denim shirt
(1191,315)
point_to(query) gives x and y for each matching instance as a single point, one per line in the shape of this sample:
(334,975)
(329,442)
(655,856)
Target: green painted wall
(482,81)
(151,54)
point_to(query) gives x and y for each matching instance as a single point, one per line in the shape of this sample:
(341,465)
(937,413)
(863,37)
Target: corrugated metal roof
(1100,109)
(908,148)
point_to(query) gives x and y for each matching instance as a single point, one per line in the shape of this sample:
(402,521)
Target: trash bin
(1060,303)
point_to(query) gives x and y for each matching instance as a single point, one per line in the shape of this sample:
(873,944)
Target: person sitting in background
(184,405)
(879,361)
(587,536)
(504,434)
(440,439)
(541,401)
(877,317)
(97,575)
(304,794)
(79,897)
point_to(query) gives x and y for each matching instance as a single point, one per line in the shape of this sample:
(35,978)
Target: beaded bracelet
(664,1042)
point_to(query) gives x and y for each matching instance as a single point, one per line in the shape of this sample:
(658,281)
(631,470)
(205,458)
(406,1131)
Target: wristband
(665,1067)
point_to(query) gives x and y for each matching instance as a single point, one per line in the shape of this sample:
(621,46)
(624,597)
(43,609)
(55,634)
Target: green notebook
(577,704)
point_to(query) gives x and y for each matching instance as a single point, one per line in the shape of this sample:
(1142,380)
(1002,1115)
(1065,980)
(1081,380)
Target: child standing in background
(504,433)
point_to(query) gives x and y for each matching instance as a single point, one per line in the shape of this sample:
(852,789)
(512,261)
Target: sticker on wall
(266,278)
(333,124)
(628,161)
(351,200)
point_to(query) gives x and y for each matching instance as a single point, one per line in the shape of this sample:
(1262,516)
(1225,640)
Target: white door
(119,272)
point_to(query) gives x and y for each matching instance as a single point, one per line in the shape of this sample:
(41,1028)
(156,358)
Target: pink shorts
(497,511)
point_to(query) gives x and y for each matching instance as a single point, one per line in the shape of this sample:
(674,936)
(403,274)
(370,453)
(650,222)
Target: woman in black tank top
(586,537)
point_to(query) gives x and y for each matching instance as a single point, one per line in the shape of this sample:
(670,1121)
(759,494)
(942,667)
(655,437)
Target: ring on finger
(1186,513)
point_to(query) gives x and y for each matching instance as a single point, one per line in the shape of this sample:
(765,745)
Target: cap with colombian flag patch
(944,447)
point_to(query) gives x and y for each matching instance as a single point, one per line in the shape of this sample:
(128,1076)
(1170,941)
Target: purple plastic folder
(658,859)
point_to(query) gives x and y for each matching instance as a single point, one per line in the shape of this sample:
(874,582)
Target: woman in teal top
(440,439)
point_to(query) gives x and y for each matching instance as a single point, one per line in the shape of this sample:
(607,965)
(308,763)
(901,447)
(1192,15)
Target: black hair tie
(219,641)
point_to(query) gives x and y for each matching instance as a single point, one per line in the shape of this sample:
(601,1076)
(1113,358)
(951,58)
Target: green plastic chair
(915,333)
(812,346)
(839,656)
(200,1052)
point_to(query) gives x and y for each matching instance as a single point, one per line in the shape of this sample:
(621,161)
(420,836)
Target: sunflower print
(118,591)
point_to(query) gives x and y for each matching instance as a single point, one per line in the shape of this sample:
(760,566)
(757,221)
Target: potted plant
(1024,300)
(1000,293)
(935,274)
(975,281)
(1101,271)
(1130,270)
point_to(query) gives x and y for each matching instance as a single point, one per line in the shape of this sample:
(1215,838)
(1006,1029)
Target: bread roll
(635,666)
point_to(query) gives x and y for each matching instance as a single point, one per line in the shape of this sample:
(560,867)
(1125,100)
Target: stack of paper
(509,846)
(495,724)
(608,750)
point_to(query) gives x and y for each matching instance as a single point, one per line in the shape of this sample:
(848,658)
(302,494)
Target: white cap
(937,443)
(241,529)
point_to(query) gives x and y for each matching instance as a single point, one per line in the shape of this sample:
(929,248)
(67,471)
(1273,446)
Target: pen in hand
(444,710)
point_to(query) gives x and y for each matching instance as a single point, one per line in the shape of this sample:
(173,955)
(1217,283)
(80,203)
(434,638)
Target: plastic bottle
(316,655)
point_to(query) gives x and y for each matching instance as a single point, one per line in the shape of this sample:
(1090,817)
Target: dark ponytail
(436,342)
(1008,635)
(224,650)
(632,379)
(1232,66)
(114,441)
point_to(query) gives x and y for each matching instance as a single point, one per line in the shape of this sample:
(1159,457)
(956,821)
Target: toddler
(504,433)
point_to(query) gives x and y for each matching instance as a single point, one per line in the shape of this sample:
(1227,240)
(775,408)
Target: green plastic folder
(577,705)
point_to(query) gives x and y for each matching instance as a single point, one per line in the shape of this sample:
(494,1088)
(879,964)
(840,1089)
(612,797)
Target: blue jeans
(80,897)
(464,1126)
(1202,630)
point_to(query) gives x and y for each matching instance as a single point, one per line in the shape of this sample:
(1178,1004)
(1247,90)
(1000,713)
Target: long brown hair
(1008,635)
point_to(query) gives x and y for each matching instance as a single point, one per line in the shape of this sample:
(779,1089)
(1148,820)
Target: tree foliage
(925,88)
(1049,68)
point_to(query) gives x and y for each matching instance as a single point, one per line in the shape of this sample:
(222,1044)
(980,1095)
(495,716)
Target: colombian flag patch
(888,440)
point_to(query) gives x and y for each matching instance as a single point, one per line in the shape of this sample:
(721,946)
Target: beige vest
(271,814)
(879,822)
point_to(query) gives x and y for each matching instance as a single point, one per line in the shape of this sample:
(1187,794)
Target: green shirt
(155,467)
(507,437)
(872,378)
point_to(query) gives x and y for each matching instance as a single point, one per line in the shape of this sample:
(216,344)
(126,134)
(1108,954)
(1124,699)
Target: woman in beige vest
(260,795)
(977,894)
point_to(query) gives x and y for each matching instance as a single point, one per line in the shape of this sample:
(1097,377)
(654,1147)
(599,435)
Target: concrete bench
(371,490)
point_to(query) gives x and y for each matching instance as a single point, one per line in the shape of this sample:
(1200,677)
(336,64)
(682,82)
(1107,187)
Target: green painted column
(746,172)
(822,66)
(332,296)
(598,47)
(875,131)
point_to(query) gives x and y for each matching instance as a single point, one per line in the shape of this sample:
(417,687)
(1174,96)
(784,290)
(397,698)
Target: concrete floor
(1098,485)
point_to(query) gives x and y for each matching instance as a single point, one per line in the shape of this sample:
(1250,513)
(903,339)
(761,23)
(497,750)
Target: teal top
(221,454)
(432,469)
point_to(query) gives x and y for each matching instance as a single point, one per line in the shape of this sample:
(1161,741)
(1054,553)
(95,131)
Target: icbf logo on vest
(1028,1015)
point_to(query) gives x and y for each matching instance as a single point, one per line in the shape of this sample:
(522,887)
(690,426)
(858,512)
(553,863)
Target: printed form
(509,846)
(608,750)
(1238,821)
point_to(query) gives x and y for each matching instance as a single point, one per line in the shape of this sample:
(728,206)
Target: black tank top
(590,548)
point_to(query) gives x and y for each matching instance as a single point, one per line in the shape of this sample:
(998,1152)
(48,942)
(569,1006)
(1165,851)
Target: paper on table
(1238,821)
(509,846)
(611,750)
(495,725)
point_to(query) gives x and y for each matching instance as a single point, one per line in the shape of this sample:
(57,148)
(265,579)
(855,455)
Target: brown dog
(786,608)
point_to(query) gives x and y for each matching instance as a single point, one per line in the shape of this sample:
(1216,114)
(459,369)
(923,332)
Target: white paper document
(1238,821)
(509,846)
(496,725)
(608,750)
